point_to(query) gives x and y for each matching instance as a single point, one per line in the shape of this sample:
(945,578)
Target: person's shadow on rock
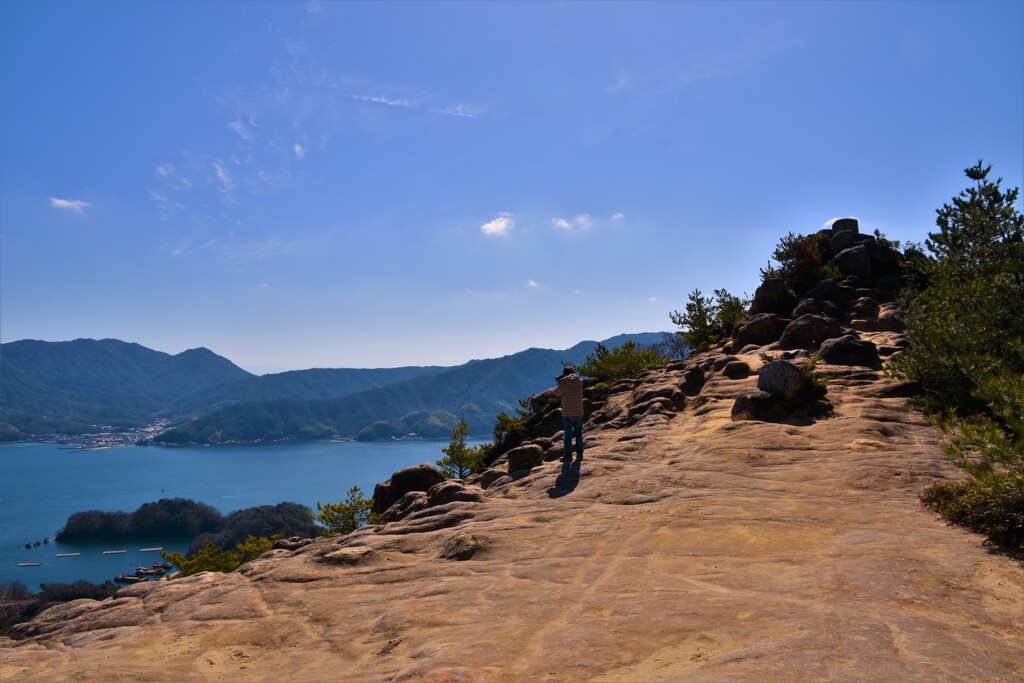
(567,479)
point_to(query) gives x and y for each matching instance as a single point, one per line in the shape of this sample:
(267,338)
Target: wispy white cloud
(581,222)
(498,226)
(227,184)
(532,283)
(299,150)
(652,298)
(384,99)
(76,205)
(460,110)
(242,130)
(617,216)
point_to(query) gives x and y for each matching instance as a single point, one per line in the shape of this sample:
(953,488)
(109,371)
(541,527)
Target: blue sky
(300,185)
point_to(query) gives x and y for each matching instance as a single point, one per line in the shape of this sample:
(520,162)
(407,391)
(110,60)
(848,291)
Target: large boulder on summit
(848,350)
(851,225)
(780,378)
(760,329)
(773,296)
(882,259)
(853,261)
(416,478)
(808,331)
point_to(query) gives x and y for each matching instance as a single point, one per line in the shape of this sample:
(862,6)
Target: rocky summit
(691,543)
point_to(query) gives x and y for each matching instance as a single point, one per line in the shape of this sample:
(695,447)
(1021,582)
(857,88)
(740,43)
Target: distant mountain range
(75,387)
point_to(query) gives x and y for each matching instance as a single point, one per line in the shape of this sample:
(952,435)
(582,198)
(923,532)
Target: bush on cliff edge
(965,324)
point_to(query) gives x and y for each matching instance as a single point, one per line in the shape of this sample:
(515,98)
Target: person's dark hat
(568,370)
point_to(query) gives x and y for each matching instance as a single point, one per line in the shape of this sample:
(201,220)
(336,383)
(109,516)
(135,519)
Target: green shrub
(213,558)
(802,261)
(965,322)
(994,507)
(708,319)
(346,516)
(628,360)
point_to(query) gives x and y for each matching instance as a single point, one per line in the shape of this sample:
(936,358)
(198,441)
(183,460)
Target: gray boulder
(853,261)
(808,331)
(772,297)
(842,240)
(451,491)
(865,307)
(416,478)
(780,378)
(848,350)
(736,369)
(818,306)
(754,404)
(890,320)
(524,457)
(760,329)
(882,260)
(411,502)
(845,225)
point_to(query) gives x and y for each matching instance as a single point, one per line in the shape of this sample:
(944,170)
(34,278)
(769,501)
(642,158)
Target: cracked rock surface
(684,547)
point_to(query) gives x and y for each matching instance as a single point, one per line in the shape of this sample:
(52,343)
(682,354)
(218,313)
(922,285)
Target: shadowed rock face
(685,546)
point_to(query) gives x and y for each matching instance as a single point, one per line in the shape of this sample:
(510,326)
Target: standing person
(570,388)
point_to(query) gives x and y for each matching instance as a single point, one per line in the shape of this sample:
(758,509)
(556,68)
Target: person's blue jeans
(573,427)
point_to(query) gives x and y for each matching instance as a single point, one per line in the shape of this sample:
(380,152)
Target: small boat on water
(114,552)
(163,565)
(149,550)
(29,564)
(146,571)
(67,554)
(129,579)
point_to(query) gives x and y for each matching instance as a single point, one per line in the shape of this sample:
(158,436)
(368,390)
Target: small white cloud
(264,284)
(617,216)
(652,298)
(300,151)
(499,226)
(577,291)
(164,170)
(582,221)
(313,7)
(383,99)
(460,110)
(77,205)
(532,283)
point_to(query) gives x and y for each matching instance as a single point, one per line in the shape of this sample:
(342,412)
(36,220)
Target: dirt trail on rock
(685,547)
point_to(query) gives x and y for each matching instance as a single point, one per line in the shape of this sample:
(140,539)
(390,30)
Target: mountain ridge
(79,386)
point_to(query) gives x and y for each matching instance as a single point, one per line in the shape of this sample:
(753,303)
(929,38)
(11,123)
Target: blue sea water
(42,484)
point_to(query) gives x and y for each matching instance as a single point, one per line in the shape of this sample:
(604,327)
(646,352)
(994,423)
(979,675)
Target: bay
(41,485)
